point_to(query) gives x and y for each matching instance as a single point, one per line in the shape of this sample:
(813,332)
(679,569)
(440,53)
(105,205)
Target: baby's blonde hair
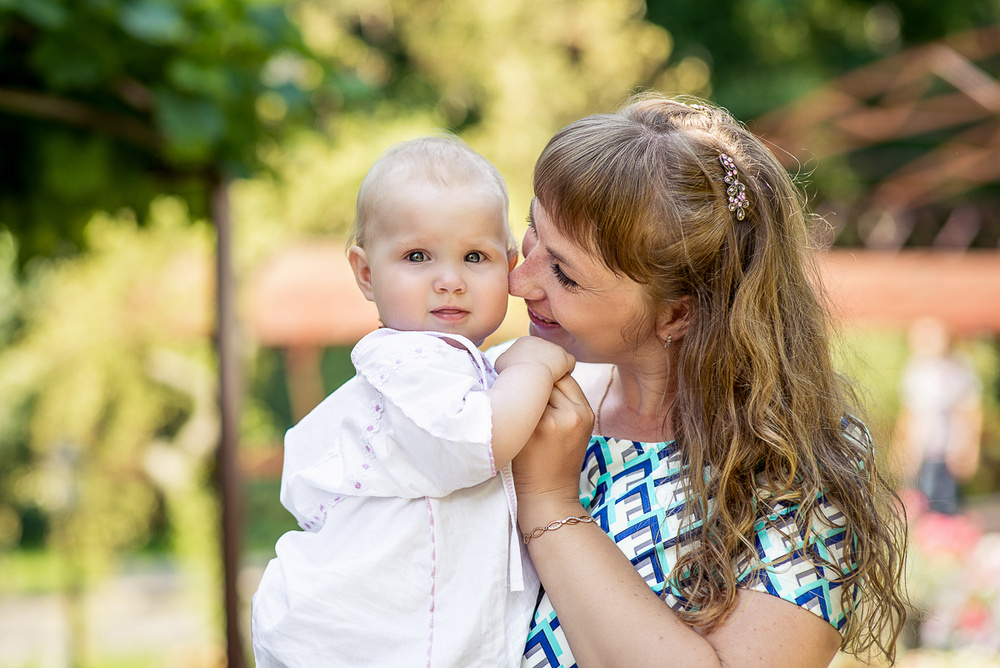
(442,160)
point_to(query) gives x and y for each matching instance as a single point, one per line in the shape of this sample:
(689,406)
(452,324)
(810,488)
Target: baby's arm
(527,371)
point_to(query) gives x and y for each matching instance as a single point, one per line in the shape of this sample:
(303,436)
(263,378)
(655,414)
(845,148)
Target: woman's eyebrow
(561,260)
(558,257)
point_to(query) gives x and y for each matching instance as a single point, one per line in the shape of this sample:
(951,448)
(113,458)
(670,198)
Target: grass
(30,572)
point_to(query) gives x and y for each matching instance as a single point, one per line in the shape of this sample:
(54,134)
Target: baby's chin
(476,336)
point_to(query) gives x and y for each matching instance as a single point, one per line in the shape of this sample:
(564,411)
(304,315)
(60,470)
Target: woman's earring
(669,338)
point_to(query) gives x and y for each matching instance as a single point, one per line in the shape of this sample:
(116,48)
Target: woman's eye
(563,279)
(474,256)
(417,256)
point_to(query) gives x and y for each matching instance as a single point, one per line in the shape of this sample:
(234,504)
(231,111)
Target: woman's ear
(674,319)
(358,258)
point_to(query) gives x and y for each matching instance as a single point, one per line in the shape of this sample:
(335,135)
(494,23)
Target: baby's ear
(511,260)
(358,258)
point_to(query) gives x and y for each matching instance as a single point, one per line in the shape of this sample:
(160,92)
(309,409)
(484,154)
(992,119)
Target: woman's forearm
(612,618)
(609,614)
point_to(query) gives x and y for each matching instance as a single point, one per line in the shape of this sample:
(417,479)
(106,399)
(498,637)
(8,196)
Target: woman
(748,523)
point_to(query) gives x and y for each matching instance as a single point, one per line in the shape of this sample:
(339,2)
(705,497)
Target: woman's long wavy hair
(758,405)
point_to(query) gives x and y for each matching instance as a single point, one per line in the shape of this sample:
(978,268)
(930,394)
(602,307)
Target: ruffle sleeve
(436,387)
(804,565)
(414,422)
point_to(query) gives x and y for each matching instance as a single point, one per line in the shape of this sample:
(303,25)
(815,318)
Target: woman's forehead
(584,260)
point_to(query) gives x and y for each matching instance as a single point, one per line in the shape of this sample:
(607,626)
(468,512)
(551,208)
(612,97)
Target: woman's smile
(539,320)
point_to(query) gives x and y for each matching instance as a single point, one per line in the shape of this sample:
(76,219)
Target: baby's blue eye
(474,256)
(417,256)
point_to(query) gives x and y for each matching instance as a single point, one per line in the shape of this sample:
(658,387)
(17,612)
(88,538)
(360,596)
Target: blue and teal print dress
(634,491)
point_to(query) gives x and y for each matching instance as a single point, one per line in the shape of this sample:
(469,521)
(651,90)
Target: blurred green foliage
(107,104)
(108,423)
(111,362)
(761,54)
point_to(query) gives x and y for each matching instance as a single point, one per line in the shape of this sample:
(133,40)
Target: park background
(176,181)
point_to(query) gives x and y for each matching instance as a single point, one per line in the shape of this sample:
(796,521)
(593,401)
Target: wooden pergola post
(227,471)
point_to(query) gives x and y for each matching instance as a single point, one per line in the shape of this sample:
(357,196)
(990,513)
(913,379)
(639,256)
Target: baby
(410,554)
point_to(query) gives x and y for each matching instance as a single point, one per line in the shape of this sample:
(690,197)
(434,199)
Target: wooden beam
(894,288)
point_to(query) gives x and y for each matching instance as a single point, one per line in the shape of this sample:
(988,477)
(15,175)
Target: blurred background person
(940,419)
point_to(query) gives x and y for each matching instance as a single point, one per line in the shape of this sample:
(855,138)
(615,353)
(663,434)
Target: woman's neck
(635,405)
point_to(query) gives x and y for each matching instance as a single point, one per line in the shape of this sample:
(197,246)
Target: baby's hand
(533,350)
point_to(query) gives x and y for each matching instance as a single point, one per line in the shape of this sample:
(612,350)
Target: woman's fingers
(567,418)
(552,459)
(569,397)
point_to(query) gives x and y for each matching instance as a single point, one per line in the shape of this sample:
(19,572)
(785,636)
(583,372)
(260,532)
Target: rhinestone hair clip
(735,190)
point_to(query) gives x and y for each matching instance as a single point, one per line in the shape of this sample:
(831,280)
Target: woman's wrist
(555,525)
(539,510)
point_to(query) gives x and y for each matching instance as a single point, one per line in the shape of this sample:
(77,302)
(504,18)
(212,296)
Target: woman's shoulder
(593,379)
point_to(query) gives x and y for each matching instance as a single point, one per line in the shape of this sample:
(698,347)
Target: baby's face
(438,260)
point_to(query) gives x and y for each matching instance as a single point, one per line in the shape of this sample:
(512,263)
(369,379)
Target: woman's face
(575,301)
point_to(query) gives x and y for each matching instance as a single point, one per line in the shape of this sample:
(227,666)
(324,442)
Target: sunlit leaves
(155,21)
(172,90)
(47,13)
(113,359)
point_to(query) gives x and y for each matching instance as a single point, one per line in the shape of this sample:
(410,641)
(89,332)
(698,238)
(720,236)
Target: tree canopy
(760,54)
(106,104)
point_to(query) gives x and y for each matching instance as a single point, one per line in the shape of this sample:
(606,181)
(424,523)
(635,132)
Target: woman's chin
(556,335)
(543,332)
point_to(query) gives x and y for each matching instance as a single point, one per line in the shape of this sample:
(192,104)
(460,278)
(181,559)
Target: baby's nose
(449,280)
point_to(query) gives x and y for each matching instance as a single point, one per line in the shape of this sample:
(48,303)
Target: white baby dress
(410,554)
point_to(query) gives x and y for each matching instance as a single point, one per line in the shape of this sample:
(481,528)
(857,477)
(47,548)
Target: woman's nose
(523,281)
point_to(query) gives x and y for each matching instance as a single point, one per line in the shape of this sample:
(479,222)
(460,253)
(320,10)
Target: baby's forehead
(451,177)
(417,199)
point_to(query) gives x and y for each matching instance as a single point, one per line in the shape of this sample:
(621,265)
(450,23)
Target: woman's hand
(547,470)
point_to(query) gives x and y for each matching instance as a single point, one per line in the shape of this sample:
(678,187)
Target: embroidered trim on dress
(430,522)
(370,461)
(317,516)
(385,372)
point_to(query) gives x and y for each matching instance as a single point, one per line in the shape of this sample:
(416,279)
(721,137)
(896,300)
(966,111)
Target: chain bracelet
(555,524)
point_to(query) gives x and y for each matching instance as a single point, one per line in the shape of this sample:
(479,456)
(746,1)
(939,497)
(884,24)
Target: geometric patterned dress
(633,490)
